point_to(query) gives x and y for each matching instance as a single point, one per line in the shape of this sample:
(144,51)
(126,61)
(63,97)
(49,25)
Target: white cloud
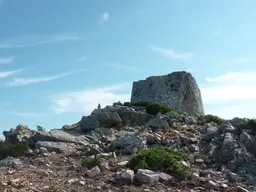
(171,53)
(104,18)
(5,74)
(245,60)
(26,81)
(82,59)
(87,100)
(218,31)
(34,40)
(23,114)
(6,60)
(26,115)
(238,77)
(123,67)
(223,94)
(231,94)
(241,110)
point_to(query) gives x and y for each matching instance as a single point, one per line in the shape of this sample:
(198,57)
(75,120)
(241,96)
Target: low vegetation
(13,150)
(91,162)
(159,159)
(248,125)
(210,118)
(151,107)
(40,128)
(71,127)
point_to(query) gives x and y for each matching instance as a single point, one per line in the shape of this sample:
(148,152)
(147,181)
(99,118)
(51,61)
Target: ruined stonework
(178,90)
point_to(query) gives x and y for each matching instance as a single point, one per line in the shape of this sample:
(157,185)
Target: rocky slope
(217,157)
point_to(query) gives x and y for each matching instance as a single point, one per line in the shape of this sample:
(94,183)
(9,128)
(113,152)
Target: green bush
(90,162)
(127,104)
(151,107)
(141,103)
(210,118)
(71,127)
(117,103)
(250,125)
(12,150)
(40,128)
(159,158)
(154,108)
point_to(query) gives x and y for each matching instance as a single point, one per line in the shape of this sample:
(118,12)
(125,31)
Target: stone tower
(178,90)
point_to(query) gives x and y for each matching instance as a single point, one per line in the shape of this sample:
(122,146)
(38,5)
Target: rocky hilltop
(177,90)
(124,148)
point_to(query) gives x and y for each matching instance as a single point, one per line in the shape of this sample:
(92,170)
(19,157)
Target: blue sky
(59,59)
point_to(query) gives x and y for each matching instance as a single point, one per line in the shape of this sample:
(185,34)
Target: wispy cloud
(23,114)
(104,18)
(234,77)
(26,115)
(171,53)
(227,94)
(34,40)
(87,100)
(218,31)
(222,94)
(6,60)
(245,60)
(229,111)
(82,59)
(26,81)
(119,66)
(5,74)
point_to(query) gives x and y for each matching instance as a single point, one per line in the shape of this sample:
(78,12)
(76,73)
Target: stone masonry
(178,90)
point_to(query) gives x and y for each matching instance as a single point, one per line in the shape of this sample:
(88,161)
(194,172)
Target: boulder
(249,142)
(125,177)
(93,172)
(226,151)
(146,176)
(10,162)
(20,134)
(125,139)
(109,119)
(157,124)
(89,123)
(57,136)
(58,147)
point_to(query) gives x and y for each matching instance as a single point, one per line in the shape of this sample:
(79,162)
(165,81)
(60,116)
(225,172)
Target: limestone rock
(122,164)
(89,123)
(57,136)
(93,172)
(157,124)
(59,147)
(126,139)
(125,177)
(20,134)
(10,162)
(248,141)
(146,176)
(178,90)
(241,189)
(165,177)
(227,149)
(109,119)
